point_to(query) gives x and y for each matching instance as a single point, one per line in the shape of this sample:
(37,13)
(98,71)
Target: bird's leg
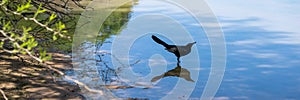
(178,64)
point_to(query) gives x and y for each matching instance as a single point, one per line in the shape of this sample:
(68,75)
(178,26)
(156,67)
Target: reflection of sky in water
(262,50)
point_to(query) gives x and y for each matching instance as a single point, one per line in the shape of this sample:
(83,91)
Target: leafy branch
(19,38)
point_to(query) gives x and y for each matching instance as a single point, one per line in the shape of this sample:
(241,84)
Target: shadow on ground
(21,80)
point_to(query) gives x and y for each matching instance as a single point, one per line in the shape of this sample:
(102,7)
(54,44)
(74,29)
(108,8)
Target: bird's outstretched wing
(159,41)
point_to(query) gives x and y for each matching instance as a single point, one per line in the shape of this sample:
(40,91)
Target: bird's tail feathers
(159,41)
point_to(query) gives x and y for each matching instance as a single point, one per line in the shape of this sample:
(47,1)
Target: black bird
(177,50)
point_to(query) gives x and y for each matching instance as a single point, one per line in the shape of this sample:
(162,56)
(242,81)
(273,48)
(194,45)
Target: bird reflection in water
(178,71)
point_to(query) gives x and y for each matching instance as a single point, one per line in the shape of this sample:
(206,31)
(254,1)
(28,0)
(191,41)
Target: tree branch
(35,21)
(3,94)
(5,33)
(49,66)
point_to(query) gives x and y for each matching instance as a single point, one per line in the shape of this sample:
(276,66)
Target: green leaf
(27,5)
(60,26)
(17,36)
(39,10)
(42,10)
(1,44)
(64,31)
(23,52)
(27,29)
(15,50)
(24,44)
(12,34)
(40,50)
(53,16)
(54,37)
(14,45)
(31,44)
(49,57)
(22,8)
(7,26)
(35,44)
(43,53)
(24,37)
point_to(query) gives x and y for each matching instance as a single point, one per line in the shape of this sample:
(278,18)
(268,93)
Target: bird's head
(191,44)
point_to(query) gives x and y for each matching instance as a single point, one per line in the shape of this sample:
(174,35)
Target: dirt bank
(21,80)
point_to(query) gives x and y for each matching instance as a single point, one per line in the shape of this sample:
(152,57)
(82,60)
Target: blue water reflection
(258,67)
(262,62)
(263,58)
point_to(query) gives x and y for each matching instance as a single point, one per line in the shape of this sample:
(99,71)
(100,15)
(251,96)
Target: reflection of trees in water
(107,74)
(113,25)
(115,22)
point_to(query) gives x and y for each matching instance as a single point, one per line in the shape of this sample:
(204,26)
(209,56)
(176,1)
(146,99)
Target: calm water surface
(263,50)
